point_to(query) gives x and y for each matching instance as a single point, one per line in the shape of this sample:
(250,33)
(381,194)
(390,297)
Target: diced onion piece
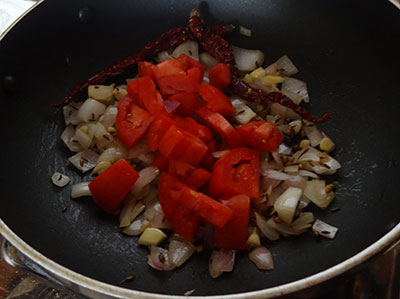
(129,212)
(120,91)
(248,60)
(80,189)
(283,228)
(284,149)
(102,136)
(137,226)
(158,259)
(112,154)
(286,204)
(180,251)
(315,191)
(221,260)
(291,169)
(146,176)
(313,134)
(206,78)
(262,257)
(332,163)
(190,48)
(267,231)
(60,179)
(101,93)
(284,112)
(324,229)
(304,201)
(138,149)
(207,60)
(70,112)
(303,221)
(307,173)
(296,125)
(163,56)
(311,154)
(84,139)
(294,181)
(85,160)
(109,116)
(244,114)
(220,154)
(170,106)
(147,158)
(276,175)
(244,31)
(67,137)
(283,66)
(91,110)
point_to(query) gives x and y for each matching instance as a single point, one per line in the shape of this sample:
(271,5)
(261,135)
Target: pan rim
(91,287)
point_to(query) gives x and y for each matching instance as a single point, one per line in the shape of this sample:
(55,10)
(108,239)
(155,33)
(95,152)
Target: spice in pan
(64,209)
(335,209)
(188,293)
(127,279)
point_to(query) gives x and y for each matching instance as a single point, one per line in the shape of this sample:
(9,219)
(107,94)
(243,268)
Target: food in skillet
(201,150)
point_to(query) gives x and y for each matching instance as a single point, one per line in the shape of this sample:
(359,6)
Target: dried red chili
(167,40)
(218,47)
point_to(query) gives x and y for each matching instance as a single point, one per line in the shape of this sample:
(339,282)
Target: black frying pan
(347,52)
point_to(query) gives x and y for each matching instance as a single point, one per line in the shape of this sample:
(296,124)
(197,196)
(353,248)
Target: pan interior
(347,52)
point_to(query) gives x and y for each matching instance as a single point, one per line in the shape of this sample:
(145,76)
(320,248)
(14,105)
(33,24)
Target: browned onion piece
(221,260)
(158,259)
(262,258)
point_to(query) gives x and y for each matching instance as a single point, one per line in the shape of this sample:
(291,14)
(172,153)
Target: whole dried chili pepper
(219,48)
(167,40)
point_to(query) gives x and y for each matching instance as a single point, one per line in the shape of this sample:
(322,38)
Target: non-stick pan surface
(347,52)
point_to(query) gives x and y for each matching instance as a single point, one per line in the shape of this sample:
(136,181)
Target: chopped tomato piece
(234,234)
(193,127)
(112,185)
(189,62)
(160,162)
(262,135)
(131,121)
(183,220)
(220,76)
(186,82)
(181,145)
(180,170)
(208,209)
(188,102)
(235,173)
(157,130)
(216,100)
(146,69)
(198,178)
(220,125)
(208,159)
(146,94)
(170,67)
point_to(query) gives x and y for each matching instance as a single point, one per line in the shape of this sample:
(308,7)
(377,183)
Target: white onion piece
(277,159)
(309,174)
(296,155)
(278,109)
(60,179)
(67,137)
(190,48)
(152,210)
(247,60)
(303,221)
(101,93)
(206,78)
(151,197)
(332,163)
(267,231)
(324,229)
(283,66)
(304,201)
(276,175)
(220,154)
(179,252)
(262,257)
(70,112)
(83,138)
(294,181)
(147,158)
(296,90)
(315,190)
(109,116)
(286,204)
(291,169)
(276,192)
(91,110)
(163,56)
(221,261)
(129,212)
(159,221)
(85,160)
(119,92)
(313,134)
(102,137)
(244,114)
(137,226)
(296,125)
(283,228)
(311,154)
(207,60)
(283,149)
(138,149)
(170,106)
(158,259)
(146,176)
(80,189)
(244,31)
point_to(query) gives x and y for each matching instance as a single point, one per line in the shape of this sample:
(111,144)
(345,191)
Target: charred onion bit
(219,48)
(167,40)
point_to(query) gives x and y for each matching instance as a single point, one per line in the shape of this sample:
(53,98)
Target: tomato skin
(111,186)
(188,102)
(193,127)
(169,140)
(160,162)
(131,121)
(170,67)
(187,82)
(144,91)
(159,126)
(216,100)
(194,177)
(208,160)
(220,76)
(146,69)
(189,62)
(198,178)
(235,173)
(183,221)
(221,126)
(234,234)
(262,135)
